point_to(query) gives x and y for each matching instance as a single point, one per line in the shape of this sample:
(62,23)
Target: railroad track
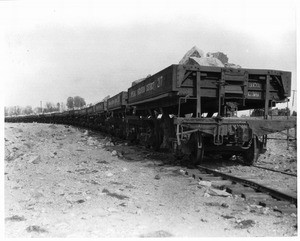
(273,170)
(248,188)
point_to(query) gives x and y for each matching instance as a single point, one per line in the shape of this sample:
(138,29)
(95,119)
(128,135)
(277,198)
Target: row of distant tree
(75,102)
(19,110)
(72,103)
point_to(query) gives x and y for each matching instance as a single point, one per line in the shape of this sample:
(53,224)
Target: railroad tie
(221,184)
(286,210)
(274,202)
(279,206)
(255,195)
(210,178)
(238,189)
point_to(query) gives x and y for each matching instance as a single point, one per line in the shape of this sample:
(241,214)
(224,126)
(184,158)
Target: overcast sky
(53,50)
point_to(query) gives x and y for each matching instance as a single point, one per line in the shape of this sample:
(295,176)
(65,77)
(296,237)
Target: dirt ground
(61,181)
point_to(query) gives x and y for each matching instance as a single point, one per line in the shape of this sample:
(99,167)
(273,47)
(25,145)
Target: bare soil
(61,181)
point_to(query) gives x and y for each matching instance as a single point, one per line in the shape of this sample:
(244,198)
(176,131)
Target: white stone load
(196,56)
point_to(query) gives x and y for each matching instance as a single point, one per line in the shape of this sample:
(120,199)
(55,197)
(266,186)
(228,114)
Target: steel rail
(273,170)
(272,192)
(266,168)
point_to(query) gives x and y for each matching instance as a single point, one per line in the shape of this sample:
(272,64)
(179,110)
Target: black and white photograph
(149,119)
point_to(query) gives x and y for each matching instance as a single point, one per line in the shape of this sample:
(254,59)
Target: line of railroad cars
(189,110)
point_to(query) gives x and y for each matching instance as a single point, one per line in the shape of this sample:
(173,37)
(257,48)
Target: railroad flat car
(117,102)
(101,107)
(116,112)
(190,110)
(220,88)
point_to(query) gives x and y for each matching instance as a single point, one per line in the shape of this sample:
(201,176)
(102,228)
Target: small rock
(103,162)
(224,205)
(109,174)
(233,158)
(37,194)
(124,169)
(10,157)
(79,150)
(109,143)
(86,133)
(90,141)
(52,126)
(245,224)
(204,183)
(37,229)
(138,212)
(255,206)
(217,192)
(15,218)
(212,204)
(129,186)
(227,216)
(35,159)
(206,195)
(95,182)
(114,153)
(248,209)
(112,210)
(265,210)
(157,177)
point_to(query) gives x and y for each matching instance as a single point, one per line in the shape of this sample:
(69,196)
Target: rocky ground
(61,181)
